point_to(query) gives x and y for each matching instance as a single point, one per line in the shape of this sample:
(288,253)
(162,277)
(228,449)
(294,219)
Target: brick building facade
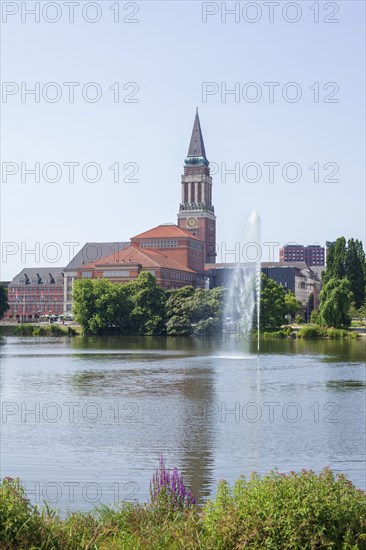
(35,293)
(312,255)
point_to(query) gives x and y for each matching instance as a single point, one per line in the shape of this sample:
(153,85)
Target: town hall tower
(196,213)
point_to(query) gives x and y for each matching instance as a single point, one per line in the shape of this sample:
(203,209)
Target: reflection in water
(212,414)
(346,384)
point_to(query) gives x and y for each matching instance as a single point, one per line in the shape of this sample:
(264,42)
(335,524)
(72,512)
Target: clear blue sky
(169,53)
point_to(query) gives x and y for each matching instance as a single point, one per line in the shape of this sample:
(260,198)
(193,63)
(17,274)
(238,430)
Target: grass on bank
(310,332)
(278,512)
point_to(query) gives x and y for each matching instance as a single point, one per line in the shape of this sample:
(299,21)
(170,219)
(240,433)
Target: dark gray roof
(196,146)
(94,251)
(37,274)
(298,265)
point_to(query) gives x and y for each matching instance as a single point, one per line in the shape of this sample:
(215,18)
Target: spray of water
(243,294)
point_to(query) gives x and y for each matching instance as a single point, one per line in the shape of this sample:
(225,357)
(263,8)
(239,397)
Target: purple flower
(168,488)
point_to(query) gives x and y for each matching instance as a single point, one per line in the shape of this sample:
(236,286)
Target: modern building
(295,276)
(36,292)
(312,255)
(298,277)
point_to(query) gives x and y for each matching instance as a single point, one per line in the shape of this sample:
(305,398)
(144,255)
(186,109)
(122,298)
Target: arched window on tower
(193,193)
(199,193)
(185,193)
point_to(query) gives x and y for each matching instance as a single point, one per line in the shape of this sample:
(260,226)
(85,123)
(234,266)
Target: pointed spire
(196,146)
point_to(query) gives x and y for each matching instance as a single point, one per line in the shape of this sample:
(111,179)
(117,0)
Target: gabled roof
(132,256)
(94,251)
(166,231)
(37,274)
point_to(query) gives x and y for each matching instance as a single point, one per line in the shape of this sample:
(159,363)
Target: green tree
(148,305)
(100,305)
(206,310)
(359,313)
(272,304)
(293,306)
(276,302)
(355,270)
(178,311)
(336,260)
(4,306)
(191,311)
(335,302)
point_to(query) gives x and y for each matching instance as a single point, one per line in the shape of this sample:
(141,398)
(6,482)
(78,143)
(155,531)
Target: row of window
(183,276)
(116,273)
(304,285)
(43,307)
(159,244)
(33,299)
(38,288)
(197,197)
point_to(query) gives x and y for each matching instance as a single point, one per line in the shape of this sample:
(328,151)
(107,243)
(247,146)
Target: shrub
(19,521)
(315,318)
(285,332)
(282,511)
(310,332)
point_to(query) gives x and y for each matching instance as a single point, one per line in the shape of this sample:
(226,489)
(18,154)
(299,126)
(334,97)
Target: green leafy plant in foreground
(304,511)
(288,511)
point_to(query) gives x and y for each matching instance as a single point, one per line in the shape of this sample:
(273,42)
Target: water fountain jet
(242,301)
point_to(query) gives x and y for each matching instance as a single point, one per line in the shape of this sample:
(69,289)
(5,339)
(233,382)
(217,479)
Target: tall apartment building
(312,255)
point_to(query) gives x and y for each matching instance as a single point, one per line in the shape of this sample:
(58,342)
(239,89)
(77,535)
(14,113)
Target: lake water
(84,419)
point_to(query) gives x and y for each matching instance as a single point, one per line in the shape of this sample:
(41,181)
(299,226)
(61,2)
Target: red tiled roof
(165,232)
(132,255)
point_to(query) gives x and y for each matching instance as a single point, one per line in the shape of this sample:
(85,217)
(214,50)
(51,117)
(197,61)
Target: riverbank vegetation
(142,307)
(277,511)
(24,329)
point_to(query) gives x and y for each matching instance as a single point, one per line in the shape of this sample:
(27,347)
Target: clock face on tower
(211,224)
(192,223)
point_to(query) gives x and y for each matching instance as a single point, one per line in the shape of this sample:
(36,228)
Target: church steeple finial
(196,151)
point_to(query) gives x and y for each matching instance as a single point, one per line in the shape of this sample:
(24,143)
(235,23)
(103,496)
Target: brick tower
(196,213)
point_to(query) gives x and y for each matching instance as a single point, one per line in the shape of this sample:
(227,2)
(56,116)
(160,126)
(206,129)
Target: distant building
(300,279)
(295,276)
(36,292)
(311,254)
